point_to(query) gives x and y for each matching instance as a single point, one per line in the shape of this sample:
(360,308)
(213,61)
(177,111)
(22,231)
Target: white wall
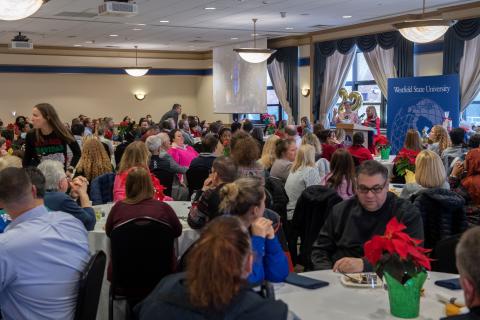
(428,64)
(99,95)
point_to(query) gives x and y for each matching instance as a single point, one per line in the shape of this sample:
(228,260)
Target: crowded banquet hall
(239,159)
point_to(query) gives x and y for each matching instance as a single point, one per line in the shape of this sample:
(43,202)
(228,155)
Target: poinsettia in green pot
(402,263)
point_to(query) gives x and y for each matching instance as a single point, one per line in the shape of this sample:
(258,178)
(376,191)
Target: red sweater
(361,153)
(327,151)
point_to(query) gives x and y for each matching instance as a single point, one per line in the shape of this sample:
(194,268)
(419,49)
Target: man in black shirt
(468,256)
(353,222)
(176,110)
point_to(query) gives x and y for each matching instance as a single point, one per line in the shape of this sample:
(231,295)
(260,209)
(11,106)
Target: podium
(352,128)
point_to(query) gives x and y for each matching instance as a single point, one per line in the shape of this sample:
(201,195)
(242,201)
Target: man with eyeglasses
(351,223)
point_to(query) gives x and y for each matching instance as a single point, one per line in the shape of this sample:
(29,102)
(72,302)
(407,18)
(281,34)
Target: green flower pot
(405,299)
(385,153)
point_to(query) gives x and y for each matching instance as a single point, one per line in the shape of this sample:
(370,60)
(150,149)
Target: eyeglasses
(375,189)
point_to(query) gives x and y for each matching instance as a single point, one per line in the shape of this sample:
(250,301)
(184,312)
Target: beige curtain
(470,72)
(380,62)
(275,69)
(336,72)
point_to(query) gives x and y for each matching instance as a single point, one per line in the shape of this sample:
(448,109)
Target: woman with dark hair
(327,139)
(183,154)
(245,198)
(305,127)
(215,285)
(342,174)
(281,129)
(257,134)
(357,150)
(235,126)
(49,139)
(205,205)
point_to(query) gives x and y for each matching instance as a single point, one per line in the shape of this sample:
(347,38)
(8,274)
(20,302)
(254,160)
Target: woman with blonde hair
(135,155)
(268,153)
(429,174)
(140,202)
(440,139)
(94,160)
(311,139)
(215,285)
(245,198)
(303,174)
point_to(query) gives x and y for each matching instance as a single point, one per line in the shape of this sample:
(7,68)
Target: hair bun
(228,194)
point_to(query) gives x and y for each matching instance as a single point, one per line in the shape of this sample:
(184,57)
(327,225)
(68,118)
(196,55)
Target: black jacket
(278,197)
(169,300)
(349,226)
(443,214)
(311,211)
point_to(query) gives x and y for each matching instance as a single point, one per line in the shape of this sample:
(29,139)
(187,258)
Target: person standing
(49,138)
(176,110)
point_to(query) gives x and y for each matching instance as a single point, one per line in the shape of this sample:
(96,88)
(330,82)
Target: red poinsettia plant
(405,160)
(397,253)
(381,142)
(266,119)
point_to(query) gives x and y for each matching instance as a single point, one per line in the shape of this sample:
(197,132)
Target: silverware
(351,278)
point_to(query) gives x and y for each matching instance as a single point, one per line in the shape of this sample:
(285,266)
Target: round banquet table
(339,302)
(98,240)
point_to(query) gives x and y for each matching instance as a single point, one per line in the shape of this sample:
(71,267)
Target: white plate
(349,283)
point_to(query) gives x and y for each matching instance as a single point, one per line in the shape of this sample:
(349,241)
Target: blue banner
(420,102)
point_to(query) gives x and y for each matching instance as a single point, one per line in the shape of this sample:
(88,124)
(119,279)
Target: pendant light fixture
(254,55)
(423,30)
(18,9)
(137,71)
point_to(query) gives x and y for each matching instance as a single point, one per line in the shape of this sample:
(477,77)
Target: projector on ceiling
(118,9)
(21,41)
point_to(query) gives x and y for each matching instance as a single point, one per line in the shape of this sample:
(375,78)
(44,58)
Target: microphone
(362,116)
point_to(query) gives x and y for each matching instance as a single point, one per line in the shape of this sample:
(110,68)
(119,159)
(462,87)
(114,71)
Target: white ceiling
(191,27)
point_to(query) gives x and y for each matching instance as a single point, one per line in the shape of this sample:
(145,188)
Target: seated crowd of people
(253,197)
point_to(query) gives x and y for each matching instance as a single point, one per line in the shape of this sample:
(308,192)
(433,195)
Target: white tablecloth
(338,302)
(98,240)
(387,163)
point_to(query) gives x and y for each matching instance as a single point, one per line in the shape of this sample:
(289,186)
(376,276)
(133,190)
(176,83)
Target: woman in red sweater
(358,151)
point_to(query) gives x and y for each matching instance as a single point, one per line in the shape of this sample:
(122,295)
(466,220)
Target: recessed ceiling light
(78,45)
(113,35)
(304,14)
(255,34)
(288,28)
(210,8)
(346,17)
(164,21)
(90,41)
(234,38)
(137,29)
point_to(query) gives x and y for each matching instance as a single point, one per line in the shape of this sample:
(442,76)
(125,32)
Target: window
(360,79)
(472,112)
(273,106)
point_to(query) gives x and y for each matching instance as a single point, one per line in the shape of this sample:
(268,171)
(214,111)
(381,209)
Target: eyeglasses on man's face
(376,189)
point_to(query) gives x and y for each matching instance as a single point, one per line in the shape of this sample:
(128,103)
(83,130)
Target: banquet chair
(101,189)
(311,211)
(443,255)
(275,190)
(166,179)
(196,177)
(90,287)
(141,255)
